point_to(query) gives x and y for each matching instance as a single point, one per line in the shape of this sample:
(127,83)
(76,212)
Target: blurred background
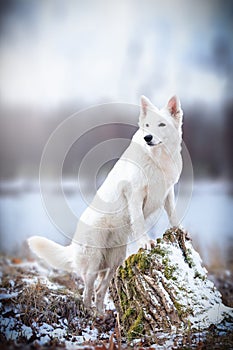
(58,57)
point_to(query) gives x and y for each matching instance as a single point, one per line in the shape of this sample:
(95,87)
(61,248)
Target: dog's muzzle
(148,139)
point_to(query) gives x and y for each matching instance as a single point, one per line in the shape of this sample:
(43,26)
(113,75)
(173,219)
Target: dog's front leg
(169,206)
(137,221)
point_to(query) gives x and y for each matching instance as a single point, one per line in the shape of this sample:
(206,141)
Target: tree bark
(165,288)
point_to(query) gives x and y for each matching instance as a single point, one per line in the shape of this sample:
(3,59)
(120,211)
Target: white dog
(140,183)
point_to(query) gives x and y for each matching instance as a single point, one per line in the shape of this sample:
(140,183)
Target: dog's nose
(148,138)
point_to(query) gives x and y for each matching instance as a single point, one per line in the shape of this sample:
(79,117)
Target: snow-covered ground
(42,307)
(39,305)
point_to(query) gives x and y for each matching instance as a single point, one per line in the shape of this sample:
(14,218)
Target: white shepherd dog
(140,184)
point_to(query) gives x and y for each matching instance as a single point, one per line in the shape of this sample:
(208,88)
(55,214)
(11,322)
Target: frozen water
(22,214)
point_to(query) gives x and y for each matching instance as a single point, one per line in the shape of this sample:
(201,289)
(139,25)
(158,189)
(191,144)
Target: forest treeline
(23,135)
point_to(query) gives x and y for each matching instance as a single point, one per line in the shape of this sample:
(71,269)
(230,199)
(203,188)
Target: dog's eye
(162,124)
(147,125)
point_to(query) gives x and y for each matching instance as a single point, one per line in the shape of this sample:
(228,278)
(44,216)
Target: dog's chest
(154,193)
(159,179)
(163,172)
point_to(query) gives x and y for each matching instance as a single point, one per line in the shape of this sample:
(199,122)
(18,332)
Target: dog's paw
(186,233)
(146,243)
(152,244)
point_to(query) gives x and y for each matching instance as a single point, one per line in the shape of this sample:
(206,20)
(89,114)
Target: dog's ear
(174,108)
(145,105)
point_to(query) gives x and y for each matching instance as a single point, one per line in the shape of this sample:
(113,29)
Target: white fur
(140,183)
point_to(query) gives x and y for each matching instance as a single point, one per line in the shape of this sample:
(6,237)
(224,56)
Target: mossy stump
(165,288)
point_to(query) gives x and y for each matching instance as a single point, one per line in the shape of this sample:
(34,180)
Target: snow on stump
(165,288)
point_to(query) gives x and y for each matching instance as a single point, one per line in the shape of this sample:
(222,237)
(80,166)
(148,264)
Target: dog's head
(161,126)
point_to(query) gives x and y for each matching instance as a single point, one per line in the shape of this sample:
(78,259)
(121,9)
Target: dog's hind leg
(102,289)
(101,276)
(89,280)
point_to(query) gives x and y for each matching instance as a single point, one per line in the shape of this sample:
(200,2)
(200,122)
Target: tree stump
(165,288)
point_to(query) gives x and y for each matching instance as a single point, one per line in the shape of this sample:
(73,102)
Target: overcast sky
(55,52)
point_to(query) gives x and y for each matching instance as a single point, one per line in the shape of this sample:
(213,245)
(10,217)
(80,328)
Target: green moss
(183,288)
(122,272)
(136,328)
(128,267)
(128,313)
(124,300)
(183,311)
(141,260)
(188,258)
(199,275)
(169,272)
(159,251)
(169,269)
(179,309)
(126,270)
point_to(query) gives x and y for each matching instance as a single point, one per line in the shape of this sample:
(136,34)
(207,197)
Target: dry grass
(36,303)
(39,304)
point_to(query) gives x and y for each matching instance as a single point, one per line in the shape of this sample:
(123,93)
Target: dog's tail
(53,253)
